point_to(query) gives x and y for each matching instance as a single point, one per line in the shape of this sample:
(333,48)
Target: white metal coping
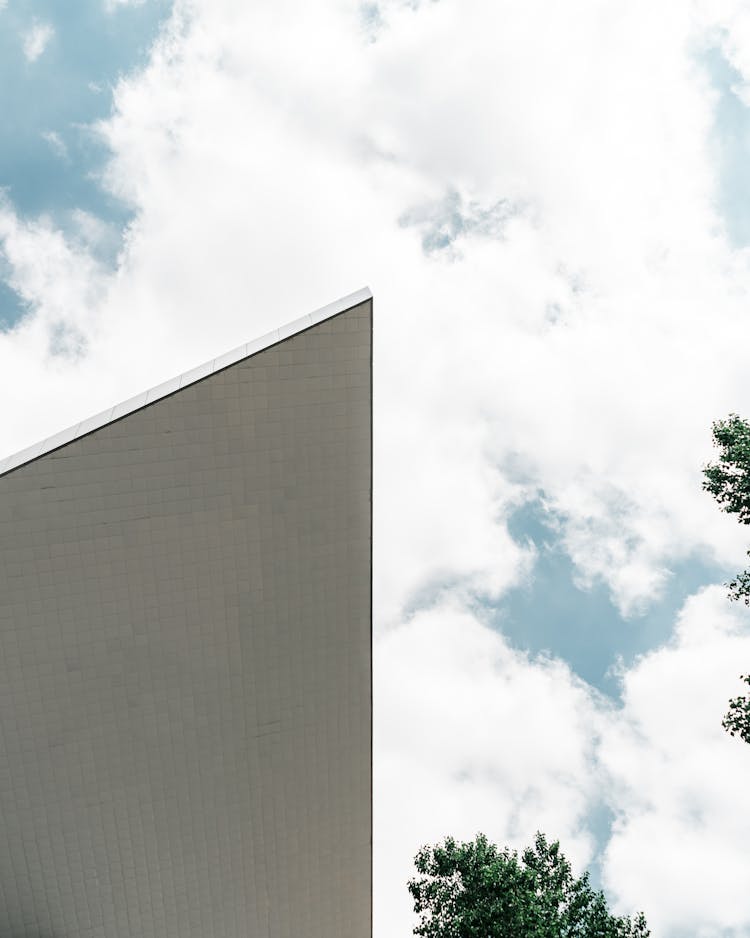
(183,380)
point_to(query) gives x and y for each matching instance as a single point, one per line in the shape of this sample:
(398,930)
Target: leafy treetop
(475,890)
(729,483)
(729,479)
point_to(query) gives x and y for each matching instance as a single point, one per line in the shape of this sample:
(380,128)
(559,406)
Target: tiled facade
(185,659)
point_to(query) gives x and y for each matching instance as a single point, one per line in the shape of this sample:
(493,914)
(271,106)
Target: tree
(729,483)
(737,718)
(474,890)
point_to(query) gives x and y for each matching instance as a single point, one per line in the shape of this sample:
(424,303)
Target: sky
(551,205)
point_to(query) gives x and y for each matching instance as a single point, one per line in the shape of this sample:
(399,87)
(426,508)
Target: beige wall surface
(185,660)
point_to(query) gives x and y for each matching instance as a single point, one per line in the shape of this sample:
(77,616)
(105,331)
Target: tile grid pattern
(185,700)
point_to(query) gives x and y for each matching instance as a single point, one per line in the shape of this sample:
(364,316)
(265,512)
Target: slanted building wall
(185,660)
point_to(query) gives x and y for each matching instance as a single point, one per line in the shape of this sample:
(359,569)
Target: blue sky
(68,89)
(732,140)
(51,158)
(556,242)
(582,625)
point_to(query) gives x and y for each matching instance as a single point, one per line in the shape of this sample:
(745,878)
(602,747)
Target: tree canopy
(475,890)
(728,481)
(737,719)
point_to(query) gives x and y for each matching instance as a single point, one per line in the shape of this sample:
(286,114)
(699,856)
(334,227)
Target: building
(185,653)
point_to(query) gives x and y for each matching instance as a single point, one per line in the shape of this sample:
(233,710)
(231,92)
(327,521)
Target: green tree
(475,890)
(737,718)
(728,480)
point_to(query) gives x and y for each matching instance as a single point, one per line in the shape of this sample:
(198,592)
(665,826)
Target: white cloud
(93,233)
(36,39)
(679,783)
(472,736)
(279,155)
(620,242)
(63,286)
(56,142)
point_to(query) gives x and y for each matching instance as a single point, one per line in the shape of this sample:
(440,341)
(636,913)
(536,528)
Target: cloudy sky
(551,204)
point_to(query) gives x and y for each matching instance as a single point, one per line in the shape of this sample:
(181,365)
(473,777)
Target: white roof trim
(183,380)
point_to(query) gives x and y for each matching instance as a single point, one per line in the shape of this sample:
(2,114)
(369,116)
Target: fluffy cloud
(566,335)
(470,736)
(678,782)
(36,39)
(62,285)
(558,310)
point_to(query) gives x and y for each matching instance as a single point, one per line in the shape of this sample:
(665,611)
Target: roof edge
(112,414)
